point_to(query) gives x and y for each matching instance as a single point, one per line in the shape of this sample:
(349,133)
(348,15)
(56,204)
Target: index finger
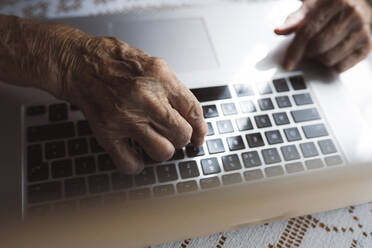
(318,17)
(189,107)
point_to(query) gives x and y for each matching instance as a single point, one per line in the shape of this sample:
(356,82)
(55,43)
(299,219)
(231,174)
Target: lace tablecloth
(349,227)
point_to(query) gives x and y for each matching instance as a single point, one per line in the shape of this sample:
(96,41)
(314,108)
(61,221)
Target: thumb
(293,21)
(126,157)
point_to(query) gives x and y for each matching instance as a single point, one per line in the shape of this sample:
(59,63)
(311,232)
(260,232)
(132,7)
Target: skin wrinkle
(322,32)
(123,92)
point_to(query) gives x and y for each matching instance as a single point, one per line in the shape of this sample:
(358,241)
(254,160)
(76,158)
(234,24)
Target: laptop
(279,144)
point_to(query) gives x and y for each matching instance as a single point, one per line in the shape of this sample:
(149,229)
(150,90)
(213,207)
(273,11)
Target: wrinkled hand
(336,33)
(128,95)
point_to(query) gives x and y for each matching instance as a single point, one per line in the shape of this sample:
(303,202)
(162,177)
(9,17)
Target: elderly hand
(125,94)
(336,33)
(128,95)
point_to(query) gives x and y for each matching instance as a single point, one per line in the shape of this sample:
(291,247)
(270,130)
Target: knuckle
(158,65)
(195,111)
(184,136)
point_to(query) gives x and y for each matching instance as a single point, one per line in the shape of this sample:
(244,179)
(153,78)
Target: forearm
(37,54)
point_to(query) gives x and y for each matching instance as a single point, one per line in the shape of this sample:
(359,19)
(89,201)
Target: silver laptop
(279,144)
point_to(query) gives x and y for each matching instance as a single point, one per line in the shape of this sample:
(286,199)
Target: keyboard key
(243,90)
(212,93)
(35,110)
(210,166)
(215,146)
(210,129)
(225,126)
(309,150)
(121,181)
(178,154)
(193,151)
(253,175)
(75,187)
(229,109)
(280,85)
(37,171)
(98,184)
(315,131)
(140,194)
(271,156)
(85,165)
(235,143)
(290,152)
(274,171)
(94,146)
(58,112)
(297,82)
(34,154)
(83,128)
(294,167)
(146,177)
(43,192)
(262,121)
(283,101)
(55,150)
(248,107)
(231,179)
(251,159)
(303,99)
(231,162)
(274,137)
(305,115)
(77,147)
(255,140)
(187,186)
(264,88)
(62,168)
(50,132)
(210,111)
(163,190)
(188,169)
(265,104)
(208,183)
(314,164)
(244,124)
(327,146)
(281,118)
(292,134)
(333,160)
(166,173)
(105,163)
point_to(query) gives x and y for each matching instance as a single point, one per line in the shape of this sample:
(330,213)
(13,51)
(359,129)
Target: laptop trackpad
(183,43)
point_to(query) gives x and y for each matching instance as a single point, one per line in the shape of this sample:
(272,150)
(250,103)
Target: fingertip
(198,141)
(283,31)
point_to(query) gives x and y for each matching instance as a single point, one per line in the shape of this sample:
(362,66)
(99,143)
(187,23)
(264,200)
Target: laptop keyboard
(255,132)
